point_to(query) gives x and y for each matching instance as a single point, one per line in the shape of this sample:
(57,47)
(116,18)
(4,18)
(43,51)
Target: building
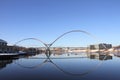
(3,45)
(4,48)
(100,46)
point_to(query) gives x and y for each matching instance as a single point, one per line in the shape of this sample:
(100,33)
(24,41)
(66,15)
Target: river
(66,66)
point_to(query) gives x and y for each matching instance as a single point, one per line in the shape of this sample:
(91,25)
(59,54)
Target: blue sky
(47,19)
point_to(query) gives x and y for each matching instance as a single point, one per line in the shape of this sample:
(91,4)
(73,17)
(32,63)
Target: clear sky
(47,19)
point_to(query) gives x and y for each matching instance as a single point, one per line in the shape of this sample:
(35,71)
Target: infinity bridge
(47,46)
(48,53)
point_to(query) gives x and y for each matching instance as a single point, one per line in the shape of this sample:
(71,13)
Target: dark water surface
(61,67)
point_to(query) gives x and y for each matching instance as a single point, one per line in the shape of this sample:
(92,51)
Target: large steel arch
(29,39)
(71,32)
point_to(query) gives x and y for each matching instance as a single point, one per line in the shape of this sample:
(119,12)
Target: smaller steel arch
(32,39)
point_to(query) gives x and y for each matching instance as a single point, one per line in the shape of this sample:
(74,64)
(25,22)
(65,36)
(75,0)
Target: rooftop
(3,41)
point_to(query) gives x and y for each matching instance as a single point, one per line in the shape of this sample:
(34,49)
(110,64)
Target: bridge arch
(71,32)
(30,39)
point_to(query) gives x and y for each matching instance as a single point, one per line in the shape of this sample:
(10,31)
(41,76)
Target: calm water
(70,66)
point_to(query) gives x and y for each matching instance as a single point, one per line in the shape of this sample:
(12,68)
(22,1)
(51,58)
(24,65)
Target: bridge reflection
(50,59)
(50,56)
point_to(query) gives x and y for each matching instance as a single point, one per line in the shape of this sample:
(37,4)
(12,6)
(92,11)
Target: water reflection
(50,59)
(75,64)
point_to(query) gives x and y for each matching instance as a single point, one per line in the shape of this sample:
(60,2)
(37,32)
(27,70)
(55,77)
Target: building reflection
(100,56)
(117,54)
(4,63)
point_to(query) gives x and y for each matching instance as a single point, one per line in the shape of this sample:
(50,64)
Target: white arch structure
(49,45)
